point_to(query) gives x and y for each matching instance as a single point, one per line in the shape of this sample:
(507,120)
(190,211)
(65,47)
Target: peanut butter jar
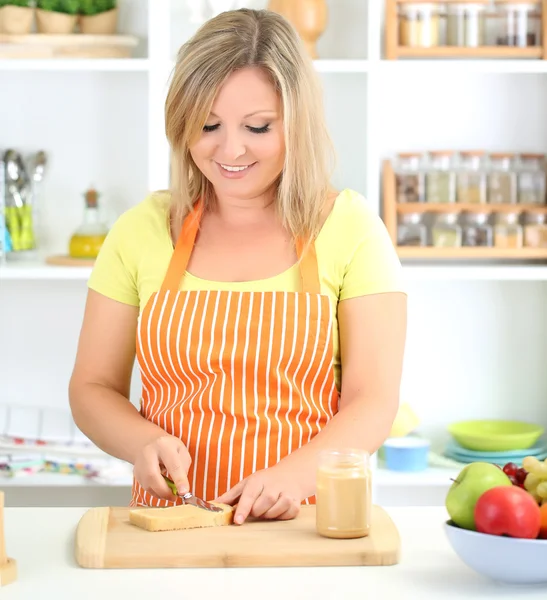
(343,494)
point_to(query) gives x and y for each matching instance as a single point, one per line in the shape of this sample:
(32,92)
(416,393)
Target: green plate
(495,435)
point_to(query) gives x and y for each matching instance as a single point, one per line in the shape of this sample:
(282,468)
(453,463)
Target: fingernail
(238,519)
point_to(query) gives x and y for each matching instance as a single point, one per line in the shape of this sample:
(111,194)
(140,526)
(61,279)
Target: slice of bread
(185,516)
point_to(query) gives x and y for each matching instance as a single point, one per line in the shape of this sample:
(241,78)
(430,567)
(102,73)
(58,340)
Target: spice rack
(466,29)
(477,230)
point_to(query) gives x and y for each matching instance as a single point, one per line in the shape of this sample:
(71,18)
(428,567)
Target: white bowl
(504,559)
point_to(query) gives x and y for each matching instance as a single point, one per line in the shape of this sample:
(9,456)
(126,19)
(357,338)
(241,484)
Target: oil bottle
(90,235)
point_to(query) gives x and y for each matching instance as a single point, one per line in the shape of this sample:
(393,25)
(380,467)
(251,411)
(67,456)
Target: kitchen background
(477,336)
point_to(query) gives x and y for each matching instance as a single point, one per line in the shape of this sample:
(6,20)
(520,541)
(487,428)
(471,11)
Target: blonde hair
(234,40)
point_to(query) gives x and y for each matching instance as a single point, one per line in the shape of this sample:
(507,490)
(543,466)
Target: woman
(265,310)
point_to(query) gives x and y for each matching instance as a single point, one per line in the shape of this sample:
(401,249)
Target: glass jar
(518,23)
(89,237)
(477,231)
(343,494)
(420,24)
(466,23)
(409,178)
(508,230)
(531,179)
(471,179)
(502,180)
(411,230)
(535,230)
(440,179)
(446,232)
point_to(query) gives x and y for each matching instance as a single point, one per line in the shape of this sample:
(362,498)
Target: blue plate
(539,448)
(501,461)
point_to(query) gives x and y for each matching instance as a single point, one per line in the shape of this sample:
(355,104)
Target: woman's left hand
(271,493)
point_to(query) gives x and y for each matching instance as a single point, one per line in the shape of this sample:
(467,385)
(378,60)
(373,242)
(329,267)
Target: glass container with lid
(420,24)
(508,230)
(409,178)
(502,180)
(531,179)
(472,182)
(441,178)
(466,23)
(411,230)
(446,231)
(477,231)
(343,494)
(518,23)
(535,229)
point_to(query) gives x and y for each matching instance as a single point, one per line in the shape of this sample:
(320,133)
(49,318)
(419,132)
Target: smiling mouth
(234,169)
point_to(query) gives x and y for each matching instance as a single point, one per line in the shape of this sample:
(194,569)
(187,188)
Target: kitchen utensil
(495,435)
(18,210)
(503,559)
(408,453)
(106,539)
(537,449)
(191,499)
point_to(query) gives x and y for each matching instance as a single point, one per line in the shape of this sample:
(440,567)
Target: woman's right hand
(170,453)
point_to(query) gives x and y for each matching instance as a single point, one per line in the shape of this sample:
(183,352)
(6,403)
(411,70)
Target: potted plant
(56,16)
(16,16)
(98,16)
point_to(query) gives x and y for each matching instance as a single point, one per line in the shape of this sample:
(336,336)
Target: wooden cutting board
(105,539)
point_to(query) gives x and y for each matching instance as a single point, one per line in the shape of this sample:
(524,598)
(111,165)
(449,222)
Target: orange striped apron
(242,378)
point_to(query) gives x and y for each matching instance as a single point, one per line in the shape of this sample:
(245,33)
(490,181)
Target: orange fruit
(543,528)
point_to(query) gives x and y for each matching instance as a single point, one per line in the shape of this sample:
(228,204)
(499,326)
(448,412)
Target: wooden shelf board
(419,207)
(464,253)
(480,52)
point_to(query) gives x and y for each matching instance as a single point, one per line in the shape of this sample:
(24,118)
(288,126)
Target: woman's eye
(208,128)
(264,129)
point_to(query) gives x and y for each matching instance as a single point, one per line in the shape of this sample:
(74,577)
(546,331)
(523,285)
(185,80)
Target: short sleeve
(373,267)
(114,273)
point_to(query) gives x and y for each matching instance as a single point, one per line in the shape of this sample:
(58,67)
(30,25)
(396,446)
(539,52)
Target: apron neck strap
(307,256)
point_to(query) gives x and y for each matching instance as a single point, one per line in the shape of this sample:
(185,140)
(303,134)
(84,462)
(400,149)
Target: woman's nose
(232,146)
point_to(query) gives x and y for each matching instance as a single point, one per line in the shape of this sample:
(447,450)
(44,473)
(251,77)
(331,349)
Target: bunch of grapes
(536,480)
(516,474)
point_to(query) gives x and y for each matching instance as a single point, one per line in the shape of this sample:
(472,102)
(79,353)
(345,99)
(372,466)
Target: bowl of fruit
(498,520)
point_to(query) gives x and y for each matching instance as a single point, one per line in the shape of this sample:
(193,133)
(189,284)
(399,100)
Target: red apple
(509,511)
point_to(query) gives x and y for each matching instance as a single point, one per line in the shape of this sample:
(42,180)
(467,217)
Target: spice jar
(409,178)
(446,232)
(411,230)
(420,24)
(535,230)
(466,23)
(508,230)
(502,180)
(471,179)
(477,231)
(441,179)
(518,23)
(531,179)
(343,494)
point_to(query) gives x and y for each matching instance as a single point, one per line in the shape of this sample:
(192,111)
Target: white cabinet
(477,334)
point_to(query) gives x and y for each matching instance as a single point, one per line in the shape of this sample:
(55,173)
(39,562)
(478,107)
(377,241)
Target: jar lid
(482,2)
(441,152)
(496,155)
(409,154)
(532,156)
(472,153)
(532,2)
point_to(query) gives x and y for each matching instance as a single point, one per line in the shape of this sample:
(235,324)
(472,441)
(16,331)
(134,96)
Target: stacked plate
(460,454)
(495,441)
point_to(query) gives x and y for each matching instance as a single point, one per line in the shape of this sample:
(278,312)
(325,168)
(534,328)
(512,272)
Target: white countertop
(41,540)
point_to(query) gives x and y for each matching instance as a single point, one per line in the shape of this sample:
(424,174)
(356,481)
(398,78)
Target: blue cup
(406,453)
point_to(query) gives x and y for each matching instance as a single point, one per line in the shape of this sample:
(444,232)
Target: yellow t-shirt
(354,252)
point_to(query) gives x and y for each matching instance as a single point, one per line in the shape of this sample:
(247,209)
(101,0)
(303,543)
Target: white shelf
(342,66)
(447,66)
(475,272)
(60,480)
(433,476)
(38,271)
(76,64)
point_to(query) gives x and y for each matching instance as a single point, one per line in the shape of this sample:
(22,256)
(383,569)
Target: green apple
(472,481)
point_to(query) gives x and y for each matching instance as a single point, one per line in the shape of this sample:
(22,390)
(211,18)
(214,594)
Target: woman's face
(241,149)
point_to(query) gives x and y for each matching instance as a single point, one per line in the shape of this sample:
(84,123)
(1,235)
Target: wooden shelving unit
(391,210)
(394,50)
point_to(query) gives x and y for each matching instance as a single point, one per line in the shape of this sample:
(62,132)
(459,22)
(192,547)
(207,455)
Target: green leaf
(21,3)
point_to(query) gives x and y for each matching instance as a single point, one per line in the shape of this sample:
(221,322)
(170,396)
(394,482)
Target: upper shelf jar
(518,23)
(420,24)
(466,23)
